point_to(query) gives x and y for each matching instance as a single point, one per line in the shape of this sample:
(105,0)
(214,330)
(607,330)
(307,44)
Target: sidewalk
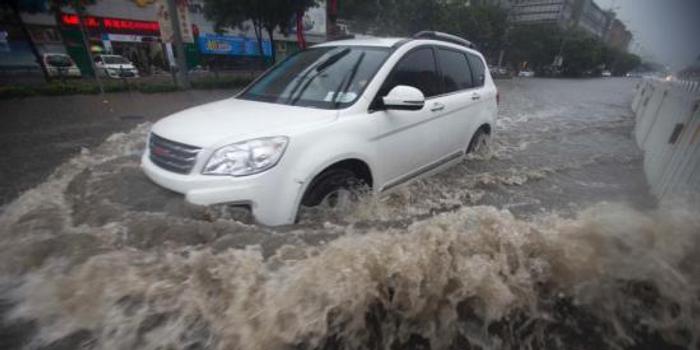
(39,133)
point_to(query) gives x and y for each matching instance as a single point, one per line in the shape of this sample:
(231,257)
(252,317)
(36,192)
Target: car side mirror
(403,97)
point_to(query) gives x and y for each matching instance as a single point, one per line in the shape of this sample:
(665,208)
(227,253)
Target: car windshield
(115,60)
(59,60)
(324,77)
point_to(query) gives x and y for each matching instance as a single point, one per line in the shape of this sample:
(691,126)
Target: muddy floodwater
(551,241)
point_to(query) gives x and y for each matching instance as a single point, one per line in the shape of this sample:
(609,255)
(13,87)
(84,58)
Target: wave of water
(97,257)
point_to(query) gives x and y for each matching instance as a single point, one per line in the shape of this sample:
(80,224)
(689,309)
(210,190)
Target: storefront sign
(166,29)
(131,38)
(232,45)
(113,24)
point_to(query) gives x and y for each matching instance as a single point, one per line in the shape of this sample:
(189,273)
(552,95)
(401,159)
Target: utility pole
(86,42)
(183,80)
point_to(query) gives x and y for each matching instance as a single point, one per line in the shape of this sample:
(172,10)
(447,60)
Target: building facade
(583,14)
(618,35)
(130,28)
(558,12)
(591,18)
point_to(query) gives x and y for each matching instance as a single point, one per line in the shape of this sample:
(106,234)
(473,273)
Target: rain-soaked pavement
(552,241)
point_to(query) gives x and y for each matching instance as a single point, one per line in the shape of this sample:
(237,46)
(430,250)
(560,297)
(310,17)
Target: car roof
(389,42)
(371,41)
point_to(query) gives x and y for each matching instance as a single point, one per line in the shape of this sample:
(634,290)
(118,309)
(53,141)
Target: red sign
(113,24)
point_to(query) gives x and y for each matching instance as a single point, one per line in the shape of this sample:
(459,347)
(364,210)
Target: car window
(456,74)
(416,69)
(478,70)
(116,60)
(58,61)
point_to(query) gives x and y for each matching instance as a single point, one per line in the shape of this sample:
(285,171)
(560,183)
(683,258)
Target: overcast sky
(668,30)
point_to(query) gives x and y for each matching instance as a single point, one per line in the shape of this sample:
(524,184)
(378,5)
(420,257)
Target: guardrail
(667,130)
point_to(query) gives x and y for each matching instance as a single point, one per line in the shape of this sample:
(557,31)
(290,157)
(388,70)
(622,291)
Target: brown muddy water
(550,242)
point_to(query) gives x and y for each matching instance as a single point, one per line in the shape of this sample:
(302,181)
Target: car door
(483,96)
(460,99)
(403,143)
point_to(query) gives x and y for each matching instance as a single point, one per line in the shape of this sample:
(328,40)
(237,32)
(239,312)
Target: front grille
(173,156)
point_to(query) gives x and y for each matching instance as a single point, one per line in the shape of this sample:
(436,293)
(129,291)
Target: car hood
(232,120)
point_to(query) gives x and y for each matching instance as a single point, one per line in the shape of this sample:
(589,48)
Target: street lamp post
(183,80)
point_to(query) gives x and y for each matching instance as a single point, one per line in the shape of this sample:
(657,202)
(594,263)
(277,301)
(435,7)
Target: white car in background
(326,121)
(606,74)
(115,66)
(60,65)
(526,74)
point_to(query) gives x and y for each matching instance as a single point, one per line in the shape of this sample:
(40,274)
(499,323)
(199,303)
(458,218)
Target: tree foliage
(531,46)
(265,15)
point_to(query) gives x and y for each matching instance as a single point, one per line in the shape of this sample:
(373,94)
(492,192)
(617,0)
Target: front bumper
(121,74)
(66,72)
(272,196)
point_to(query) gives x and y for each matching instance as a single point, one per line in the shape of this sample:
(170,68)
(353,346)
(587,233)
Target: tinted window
(478,69)
(416,69)
(59,61)
(456,74)
(116,60)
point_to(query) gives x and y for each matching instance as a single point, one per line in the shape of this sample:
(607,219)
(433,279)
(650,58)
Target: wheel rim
(339,198)
(481,146)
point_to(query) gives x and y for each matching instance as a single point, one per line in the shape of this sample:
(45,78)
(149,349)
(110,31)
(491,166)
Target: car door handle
(476,97)
(437,106)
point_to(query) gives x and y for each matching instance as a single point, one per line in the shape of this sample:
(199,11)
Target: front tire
(333,188)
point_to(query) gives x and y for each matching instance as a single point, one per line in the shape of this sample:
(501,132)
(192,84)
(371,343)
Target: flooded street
(550,241)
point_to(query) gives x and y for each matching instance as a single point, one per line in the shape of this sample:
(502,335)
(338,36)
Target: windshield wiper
(319,68)
(347,80)
(332,60)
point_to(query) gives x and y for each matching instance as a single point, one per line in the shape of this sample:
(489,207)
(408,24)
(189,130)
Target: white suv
(371,112)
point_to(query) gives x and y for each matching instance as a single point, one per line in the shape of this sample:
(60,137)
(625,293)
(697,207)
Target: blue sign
(232,45)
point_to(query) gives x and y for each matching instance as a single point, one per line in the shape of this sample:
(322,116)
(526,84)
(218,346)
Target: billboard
(213,44)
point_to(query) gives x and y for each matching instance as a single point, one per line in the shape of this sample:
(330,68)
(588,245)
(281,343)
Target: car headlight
(247,157)
(113,71)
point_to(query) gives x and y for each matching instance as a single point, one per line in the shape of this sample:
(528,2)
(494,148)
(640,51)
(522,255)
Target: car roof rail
(430,34)
(344,37)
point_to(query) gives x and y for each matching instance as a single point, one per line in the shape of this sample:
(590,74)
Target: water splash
(98,257)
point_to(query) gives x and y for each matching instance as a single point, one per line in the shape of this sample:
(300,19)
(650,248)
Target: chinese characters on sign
(166,29)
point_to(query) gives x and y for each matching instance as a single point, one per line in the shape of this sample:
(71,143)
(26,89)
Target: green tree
(30,6)
(393,17)
(265,15)
(533,46)
(582,54)
(484,25)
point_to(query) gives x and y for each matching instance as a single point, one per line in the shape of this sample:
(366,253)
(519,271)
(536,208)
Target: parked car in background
(499,72)
(606,74)
(327,121)
(115,66)
(526,73)
(60,65)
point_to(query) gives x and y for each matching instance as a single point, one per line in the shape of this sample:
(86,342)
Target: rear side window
(478,69)
(417,69)
(456,74)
